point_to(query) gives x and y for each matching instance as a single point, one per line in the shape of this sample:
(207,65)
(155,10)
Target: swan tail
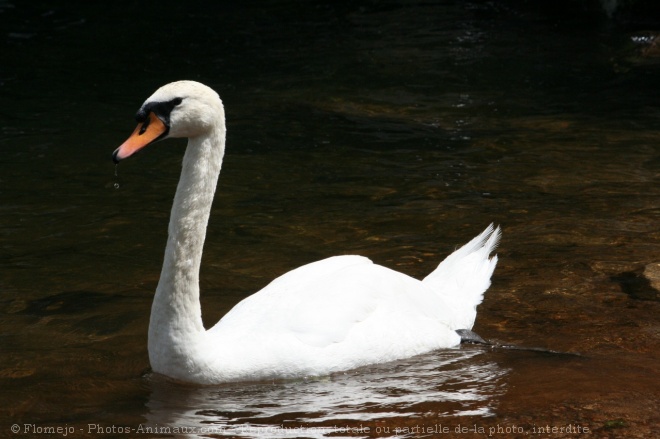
(463,277)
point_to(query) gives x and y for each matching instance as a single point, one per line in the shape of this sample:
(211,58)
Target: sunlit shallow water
(396,131)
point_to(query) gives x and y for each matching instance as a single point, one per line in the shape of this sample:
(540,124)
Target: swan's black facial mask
(153,125)
(161,109)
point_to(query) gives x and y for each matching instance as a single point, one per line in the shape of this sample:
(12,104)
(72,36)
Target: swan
(332,315)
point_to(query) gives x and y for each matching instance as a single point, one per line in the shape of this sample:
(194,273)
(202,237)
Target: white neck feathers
(176,318)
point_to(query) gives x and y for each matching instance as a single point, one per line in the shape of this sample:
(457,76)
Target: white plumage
(327,316)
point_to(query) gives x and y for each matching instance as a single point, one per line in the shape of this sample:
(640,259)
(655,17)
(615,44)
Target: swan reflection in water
(452,382)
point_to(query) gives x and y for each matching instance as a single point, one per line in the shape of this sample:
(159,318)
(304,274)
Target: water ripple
(458,382)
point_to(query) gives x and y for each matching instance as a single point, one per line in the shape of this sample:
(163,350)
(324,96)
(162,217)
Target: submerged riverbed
(394,130)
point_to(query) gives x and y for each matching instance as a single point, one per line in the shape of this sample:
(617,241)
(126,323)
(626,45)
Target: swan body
(332,315)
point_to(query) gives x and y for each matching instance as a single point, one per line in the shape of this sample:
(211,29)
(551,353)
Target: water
(394,130)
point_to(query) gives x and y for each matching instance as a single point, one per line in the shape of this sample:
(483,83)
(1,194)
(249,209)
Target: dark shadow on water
(635,285)
(68,302)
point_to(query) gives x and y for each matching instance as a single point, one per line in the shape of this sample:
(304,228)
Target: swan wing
(320,304)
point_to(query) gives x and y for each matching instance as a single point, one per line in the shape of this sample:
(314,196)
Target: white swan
(331,315)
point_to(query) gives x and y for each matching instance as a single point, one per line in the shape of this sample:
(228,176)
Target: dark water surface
(396,130)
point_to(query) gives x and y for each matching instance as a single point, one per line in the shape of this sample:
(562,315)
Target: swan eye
(144,127)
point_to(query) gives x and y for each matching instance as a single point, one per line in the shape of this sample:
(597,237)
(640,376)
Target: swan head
(179,109)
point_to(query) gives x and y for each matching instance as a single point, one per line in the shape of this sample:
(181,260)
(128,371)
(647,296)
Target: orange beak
(147,132)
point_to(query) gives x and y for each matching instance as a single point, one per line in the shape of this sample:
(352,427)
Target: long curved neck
(176,312)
